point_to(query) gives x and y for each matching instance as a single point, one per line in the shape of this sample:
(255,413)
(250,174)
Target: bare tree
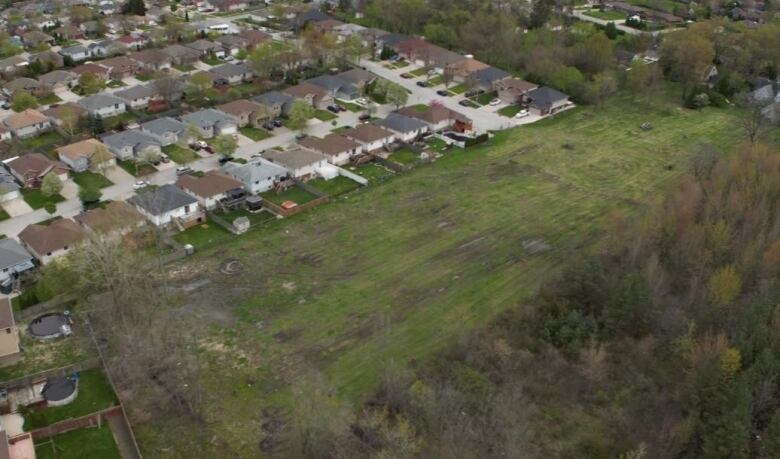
(753,122)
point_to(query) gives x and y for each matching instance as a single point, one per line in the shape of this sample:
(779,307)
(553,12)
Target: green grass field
(294,193)
(87,443)
(179,154)
(35,198)
(254,133)
(138,170)
(93,180)
(404,156)
(396,272)
(43,140)
(608,15)
(509,110)
(335,186)
(204,235)
(324,115)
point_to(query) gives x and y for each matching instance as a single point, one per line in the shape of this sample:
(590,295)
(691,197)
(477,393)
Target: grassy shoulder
(397,272)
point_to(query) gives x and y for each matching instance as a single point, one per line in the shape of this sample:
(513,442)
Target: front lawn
(419,72)
(401,64)
(211,60)
(91,180)
(179,154)
(404,156)
(510,110)
(334,186)
(254,133)
(113,122)
(459,89)
(470,103)
(184,68)
(138,170)
(94,394)
(115,84)
(43,140)
(35,198)
(324,115)
(437,80)
(4,216)
(484,99)
(294,193)
(86,443)
(349,105)
(203,235)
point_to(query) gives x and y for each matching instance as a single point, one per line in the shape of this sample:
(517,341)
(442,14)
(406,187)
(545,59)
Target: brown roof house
(210,188)
(439,117)
(152,60)
(36,37)
(28,85)
(462,69)
(28,123)
(47,242)
(254,37)
(30,169)
(117,218)
(94,69)
(511,90)
(309,93)
(120,67)
(9,335)
(299,162)
(181,55)
(371,136)
(337,148)
(59,79)
(89,154)
(48,57)
(63,114)
(246,112)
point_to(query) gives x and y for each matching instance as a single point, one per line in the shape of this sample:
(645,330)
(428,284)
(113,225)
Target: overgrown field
(395,272)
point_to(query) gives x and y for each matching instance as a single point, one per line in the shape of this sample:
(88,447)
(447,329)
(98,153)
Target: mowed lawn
(399,270)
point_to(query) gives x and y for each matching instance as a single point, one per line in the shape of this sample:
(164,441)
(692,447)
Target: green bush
(50,207)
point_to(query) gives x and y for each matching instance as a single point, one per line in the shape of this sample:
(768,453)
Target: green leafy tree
(300,113)
(22,101)
(91,83)
(725,284)
(611,31)
(396,95)
(89,196)
(51,185)
(224,144)
(135,7)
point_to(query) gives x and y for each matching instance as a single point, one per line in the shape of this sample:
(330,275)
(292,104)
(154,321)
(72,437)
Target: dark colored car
(474,92)
(277,122)
(364,117)
(333,109)
(225,159)
(407,75)
(423,84)
(268,126)
(300,136)
(341,108)
(209,149)
(465,103)
(443,92)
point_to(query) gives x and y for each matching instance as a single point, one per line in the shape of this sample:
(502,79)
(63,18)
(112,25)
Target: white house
(299,162)
(258,175)
(211,122)
(166,130)
(168,204)
(137,96)
(405,128)
(104,105)
(370,136)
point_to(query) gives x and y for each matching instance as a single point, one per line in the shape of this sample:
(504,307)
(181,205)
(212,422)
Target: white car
(495,102)
(361,101)
(140,184)
(521,114)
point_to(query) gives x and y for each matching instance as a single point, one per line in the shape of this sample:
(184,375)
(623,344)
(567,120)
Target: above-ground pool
(59,390)
(50,326)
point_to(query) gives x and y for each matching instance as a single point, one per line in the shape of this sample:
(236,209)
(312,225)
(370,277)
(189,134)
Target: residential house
(232,44)
(246,112)
(48,57)
(345,31)
(254,37)
(14,261)
(129,144)
(120,67)
(31,168)
(168,204)
(68,32)
(512,90)
(337,87)
(152,60)
(278,102)
(47,242)
(5,134)
(210,188)
(76,53)
(36,37)
(300,162)
(439,58)
(337,148)
(181,55)
(229,5)
(314,95)
(546,101)
(27,123)
(13,65)
(137,96)
(461,70)
(412,49)
(10,353)
(59,80)
(166,130)
(327,26)
(131,41)
(311,17)
(234,73)
(85,155)
(406,128)
(104,105)
(206,48)
(486,79)
(439,117)
(358,77)
(62,115)
(257,175)
(117,218)
(103,48)
(9,187)
(28,85)
(211,122)
(94,69)
(370,136)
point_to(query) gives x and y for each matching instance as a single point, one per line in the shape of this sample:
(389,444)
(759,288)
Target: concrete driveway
(16,207)
(69,190)
(243,140)
(131,81)
(117,175)
(67,95)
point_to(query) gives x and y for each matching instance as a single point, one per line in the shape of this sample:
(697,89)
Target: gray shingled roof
(208,118)
(12,253)
(133,138)
(545,97)
(163,125)
(401,123)
(99,101)
(228,70)
(273,98)
(164,199)
(136,92)
(255,170)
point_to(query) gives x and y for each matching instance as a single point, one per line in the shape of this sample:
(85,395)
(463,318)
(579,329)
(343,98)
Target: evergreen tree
(136,7)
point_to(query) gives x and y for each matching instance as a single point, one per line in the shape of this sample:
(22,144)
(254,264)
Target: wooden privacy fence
(279,210)
(91,420)
(28,380)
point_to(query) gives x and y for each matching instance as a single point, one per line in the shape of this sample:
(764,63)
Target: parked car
(465,103)
(407,75)
(140,184)
(268,126)
(521,114)
(183,170)
(423,84)
(474,92)
(198,145)
(361,101)
(277,122)
(300,136)
(332,108)
(443,93)
(495,102)
(165,158)
(225,159)
(209,149)
(432,72)
(364,117)
(6,105)
(341,108)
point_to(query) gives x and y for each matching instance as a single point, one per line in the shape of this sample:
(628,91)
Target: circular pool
(59,390)
(50,326)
